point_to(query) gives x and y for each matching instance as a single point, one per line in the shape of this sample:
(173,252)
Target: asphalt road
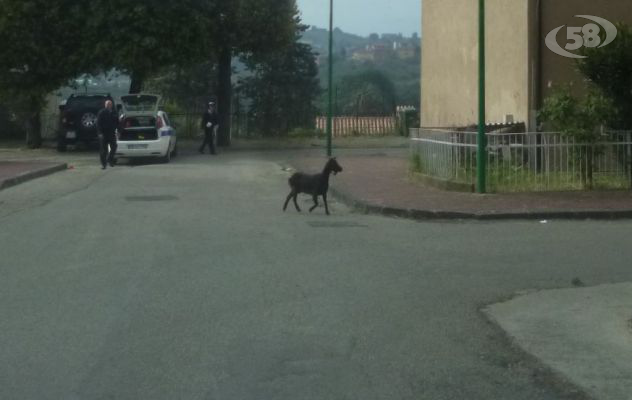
(187,281)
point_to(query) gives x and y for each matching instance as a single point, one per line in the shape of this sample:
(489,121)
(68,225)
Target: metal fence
(350,126)
(542,161)
(188,125)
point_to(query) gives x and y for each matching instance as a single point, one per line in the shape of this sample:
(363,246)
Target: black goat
(316,185)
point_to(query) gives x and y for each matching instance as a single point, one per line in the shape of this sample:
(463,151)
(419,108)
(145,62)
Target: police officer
(210,122)
(107,123)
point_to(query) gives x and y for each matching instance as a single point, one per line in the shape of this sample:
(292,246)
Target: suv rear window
(87,101)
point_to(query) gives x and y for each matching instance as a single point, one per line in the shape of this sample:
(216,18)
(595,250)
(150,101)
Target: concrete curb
(30,175)
(418,214)
(429,215)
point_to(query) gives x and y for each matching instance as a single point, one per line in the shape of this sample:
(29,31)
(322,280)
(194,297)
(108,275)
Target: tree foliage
(246,27)
(188,87)
(42,48)
(369,92)
(610,68)
(582,119)
(578,117)
(42,44)
(46,44)
(142,37)
(283,87)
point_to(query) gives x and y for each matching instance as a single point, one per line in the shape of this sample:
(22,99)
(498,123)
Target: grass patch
(508,177)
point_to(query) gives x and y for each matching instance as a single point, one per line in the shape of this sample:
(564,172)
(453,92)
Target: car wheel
(167,157)
(89,120)
(174,153)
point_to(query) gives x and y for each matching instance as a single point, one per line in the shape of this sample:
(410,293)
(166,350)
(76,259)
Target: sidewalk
(584,334)
(380,183)
(15,172)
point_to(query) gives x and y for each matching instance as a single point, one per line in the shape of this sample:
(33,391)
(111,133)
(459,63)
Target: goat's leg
(289,196)
(295,203)
(325,201)
(315,197)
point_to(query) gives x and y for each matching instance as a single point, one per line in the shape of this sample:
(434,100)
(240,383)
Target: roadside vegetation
(583,143)
(264,68)
(604,107)
(46,45)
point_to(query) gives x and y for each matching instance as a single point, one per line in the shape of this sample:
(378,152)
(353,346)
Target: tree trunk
(136,84)
(33,124)
(590,167)
(224,96)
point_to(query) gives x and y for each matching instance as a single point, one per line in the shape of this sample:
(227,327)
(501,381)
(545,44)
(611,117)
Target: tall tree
(187,87)
(283,87)
(42,48)
(246,27)
(369,92)
(143,36)
(610,68)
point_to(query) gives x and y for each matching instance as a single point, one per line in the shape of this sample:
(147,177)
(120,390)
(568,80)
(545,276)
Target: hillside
(397,56)
(319,40)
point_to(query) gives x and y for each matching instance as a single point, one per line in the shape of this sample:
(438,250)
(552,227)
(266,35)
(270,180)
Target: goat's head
(333,166)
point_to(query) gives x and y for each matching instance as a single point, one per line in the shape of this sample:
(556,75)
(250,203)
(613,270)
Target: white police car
(145,130)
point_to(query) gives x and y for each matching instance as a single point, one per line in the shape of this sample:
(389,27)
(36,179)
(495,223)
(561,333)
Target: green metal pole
(331,77)
(481,155)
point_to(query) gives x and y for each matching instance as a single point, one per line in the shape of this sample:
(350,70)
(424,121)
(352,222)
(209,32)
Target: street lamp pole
(481,155)
(330,78)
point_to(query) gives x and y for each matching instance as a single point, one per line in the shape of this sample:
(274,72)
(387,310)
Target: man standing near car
(210,122)
(107,122)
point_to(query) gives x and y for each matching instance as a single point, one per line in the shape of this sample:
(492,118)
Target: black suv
(78,119)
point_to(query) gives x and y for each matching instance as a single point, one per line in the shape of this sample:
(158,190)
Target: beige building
(521,69)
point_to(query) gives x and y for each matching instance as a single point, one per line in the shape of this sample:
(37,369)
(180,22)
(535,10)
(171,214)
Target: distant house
(521,70)
(384,50)
(406,51)
(363,55)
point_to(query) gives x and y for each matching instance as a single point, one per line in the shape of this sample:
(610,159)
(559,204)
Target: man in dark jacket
(107,123)
(210,122)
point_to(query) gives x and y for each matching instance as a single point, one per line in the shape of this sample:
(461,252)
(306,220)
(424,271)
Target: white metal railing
(541,161)
(350,125)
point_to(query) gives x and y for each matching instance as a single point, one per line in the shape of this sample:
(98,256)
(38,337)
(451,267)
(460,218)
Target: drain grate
(336,224)
(151,198)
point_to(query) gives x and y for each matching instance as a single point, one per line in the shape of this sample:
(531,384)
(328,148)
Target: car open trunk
(138,128)
(140,103)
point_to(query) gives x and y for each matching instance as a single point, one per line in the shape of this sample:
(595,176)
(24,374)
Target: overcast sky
(364,17)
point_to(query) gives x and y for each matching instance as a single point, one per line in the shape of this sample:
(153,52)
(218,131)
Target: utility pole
(481,154)
(330,78)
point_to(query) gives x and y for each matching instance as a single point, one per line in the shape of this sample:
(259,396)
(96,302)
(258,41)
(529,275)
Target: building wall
(521,70)
(558,70)
(450,61)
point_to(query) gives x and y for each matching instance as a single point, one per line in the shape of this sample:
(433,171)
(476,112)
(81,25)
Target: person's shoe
(103,167)
(111,163)
(201,151)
